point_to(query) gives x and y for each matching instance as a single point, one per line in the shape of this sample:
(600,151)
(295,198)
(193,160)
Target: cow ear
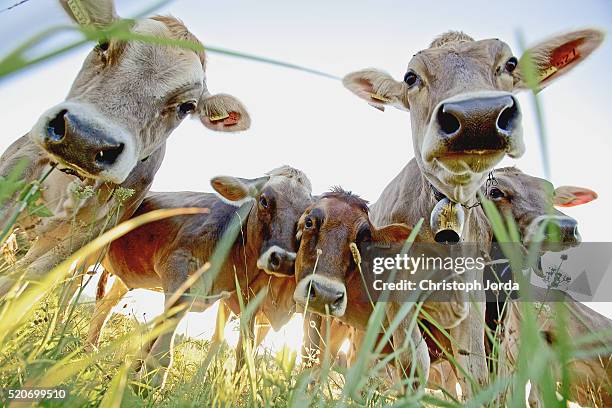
(556,56)
(570,196)
(97,13)
(223,113)
(392,233)
(377,88)
(235,189)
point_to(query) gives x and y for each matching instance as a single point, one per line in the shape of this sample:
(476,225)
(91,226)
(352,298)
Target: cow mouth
(468,161)
(550,245)
(67,170)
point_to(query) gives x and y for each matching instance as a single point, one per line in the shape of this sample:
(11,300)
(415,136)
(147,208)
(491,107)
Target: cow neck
(243,241)
(435,196)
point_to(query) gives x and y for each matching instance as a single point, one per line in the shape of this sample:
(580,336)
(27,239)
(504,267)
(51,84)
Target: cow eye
(263,202)
(511,64)
(186,108)
(308,223)
(411,78)
(496,194)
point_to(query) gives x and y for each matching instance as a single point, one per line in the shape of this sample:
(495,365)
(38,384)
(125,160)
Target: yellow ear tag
(548,72)
(379,97)
(218,117)
(79,13)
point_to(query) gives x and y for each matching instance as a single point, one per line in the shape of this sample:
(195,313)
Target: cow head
(280,198)
(129,96)
(530,202)
(459,92)
(325,266)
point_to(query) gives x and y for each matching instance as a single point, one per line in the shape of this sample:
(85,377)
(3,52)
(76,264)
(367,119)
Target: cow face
(530,202)
(464,116)
(129,96)
(325,265)
(280,198)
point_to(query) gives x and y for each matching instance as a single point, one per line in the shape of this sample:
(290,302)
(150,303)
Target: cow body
(163,255)
(464,120)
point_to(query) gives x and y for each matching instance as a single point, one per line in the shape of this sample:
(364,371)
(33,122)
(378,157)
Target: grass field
(37,349)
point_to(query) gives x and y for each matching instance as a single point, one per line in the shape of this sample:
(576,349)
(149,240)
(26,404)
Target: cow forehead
(530,195)
(455,59)
(338,212)
(162,69)
(522,184)
(288,188)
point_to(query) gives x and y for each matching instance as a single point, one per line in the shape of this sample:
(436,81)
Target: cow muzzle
(555,232)
(79,137)
(322,295)
(277,261)
(467,136)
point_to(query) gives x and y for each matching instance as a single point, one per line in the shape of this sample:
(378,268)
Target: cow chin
(458,187)
(77,137)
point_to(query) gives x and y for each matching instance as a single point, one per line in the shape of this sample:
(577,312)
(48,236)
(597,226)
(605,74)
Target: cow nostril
(339,299)
(274,261)
(56,129)
(108,155)
(505,121)
(449,124)
(312,293)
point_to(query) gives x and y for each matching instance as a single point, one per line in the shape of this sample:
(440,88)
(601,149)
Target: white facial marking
(300,295)
(264,260)
(126,161)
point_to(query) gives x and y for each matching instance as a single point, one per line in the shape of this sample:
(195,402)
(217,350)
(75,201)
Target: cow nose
(481,123)
(320,296)
(76,141)
(562,230)
(277,261)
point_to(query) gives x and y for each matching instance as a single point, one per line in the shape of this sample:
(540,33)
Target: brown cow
(327,230)
(464,119)
(110,132)
(164,254)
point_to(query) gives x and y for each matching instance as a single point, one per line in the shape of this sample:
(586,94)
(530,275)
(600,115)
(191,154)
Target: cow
(164,254)
(529,201)
(110,133)
(329,227)
(464,120)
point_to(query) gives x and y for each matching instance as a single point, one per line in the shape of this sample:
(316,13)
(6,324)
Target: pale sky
(316,125)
